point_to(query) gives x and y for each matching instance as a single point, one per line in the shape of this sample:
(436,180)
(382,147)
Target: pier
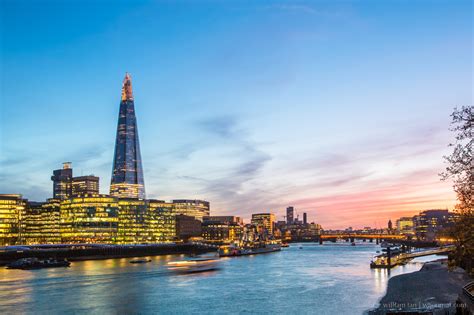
(389,261)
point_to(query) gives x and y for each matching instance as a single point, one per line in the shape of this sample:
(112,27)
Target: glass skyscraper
(127,174)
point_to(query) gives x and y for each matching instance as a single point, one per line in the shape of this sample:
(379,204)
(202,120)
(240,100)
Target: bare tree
(460,170)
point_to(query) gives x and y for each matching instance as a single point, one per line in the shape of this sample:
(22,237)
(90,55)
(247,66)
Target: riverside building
(264,222)
(41,223)
(12,209)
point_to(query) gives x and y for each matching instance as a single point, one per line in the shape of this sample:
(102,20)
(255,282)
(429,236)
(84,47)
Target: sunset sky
(339,108)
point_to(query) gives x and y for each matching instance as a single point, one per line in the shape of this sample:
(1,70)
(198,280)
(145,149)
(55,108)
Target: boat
(353,244)
(193,265)
(140,261)
(285,245)
(35,263)
(257,248)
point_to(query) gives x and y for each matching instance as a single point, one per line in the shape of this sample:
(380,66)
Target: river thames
(333,278)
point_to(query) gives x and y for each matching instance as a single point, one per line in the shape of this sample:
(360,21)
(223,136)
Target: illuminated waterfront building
(62,182)
(222,228)
(89,219)
(12,209)
(193,208)
(82,185)
(161,221)
(42,222)
(264,222)
(127,174)
(429,222)
(405,226)
(132,221)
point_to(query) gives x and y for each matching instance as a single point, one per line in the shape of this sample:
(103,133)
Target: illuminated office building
(405,225)
(264,222)
(42,222)
(12,209)
(82,185)
(132,221)
(192,208)
(222,228)
(62,182)
(89,219)
(160,222)
(127,174)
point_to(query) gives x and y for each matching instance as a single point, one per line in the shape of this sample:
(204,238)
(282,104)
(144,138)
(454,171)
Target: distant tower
(290,215)
(127,174)
(390,225)
(305,218)
(62,182)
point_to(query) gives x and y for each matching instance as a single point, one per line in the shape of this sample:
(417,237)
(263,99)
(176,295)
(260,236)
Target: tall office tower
(62,182)
(82,185)
(127,174)
(305,218)
(290,215)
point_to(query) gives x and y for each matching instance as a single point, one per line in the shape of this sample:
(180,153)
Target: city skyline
(292,150)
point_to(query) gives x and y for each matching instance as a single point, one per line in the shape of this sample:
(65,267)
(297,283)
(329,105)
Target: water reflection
(328,279)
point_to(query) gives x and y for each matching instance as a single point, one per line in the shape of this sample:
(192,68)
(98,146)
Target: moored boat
(260,248)
(35,263)
(140,261)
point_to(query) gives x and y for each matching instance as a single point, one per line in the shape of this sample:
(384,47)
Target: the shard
(127,174)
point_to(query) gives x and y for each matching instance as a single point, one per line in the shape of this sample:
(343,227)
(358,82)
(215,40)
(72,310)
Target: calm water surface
(317,279)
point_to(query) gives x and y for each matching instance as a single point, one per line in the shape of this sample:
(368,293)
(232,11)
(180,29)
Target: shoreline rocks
(432,290)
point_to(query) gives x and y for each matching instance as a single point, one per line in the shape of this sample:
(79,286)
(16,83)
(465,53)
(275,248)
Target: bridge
(363,236)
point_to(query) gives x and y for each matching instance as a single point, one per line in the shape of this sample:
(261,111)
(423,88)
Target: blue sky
(340,108)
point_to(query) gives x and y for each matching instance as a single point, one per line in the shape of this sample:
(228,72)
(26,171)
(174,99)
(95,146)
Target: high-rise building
(127,174)
(290,215)
(82,185)
(62,182)
(12,210)
(264,222)
(305,218)
(193,208)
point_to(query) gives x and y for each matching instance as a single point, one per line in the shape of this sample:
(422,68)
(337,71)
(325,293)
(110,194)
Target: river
(333,278)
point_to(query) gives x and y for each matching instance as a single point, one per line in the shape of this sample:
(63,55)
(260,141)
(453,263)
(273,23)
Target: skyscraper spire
(127,174)
(127,93)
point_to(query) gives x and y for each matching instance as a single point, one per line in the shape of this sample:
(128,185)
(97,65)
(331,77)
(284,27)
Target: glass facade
(89,219)
(41,223)
(127,174)
(12,210)
(161,221)
(132,218)
(192,208)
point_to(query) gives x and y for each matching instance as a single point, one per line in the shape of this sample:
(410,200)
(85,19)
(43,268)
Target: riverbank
(432,290)
(74,252)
